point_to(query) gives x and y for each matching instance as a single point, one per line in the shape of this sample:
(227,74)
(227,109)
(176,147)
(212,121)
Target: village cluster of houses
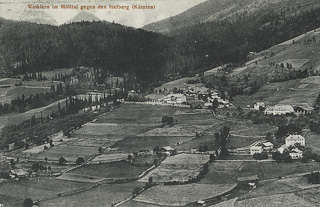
(203,100)
(291,142)
(282,109)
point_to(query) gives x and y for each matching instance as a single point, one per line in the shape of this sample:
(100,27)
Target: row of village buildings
(291,143)
(206,99)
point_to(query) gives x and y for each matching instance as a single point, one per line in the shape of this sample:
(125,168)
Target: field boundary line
(146,171)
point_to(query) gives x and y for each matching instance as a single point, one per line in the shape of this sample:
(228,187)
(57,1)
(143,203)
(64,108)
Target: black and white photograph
(159,103)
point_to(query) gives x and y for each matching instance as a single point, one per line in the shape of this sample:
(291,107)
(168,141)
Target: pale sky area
(15,9)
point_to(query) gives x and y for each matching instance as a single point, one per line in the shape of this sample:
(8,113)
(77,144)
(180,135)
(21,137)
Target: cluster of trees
(34,76)
(282,157)
(261,156)
(167,120)
(222,140)
(40,131)
(314,178)
(22,104)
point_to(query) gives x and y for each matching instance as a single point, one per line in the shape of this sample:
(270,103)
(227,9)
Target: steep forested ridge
(151,57)
(27,47)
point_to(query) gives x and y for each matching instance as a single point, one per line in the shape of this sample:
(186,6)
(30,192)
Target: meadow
(116,170)
(179,195)
(14,192)
(102,195)
(180,168)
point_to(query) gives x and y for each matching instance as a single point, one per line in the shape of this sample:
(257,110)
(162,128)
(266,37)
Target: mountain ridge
(217,10)
(83,16)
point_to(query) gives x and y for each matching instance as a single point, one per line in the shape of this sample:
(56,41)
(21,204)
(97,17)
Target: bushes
(261,156)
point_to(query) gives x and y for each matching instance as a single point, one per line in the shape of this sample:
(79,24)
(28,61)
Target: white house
(279,110)
(256,149)
(295,154)
(267,146)
(295,139)
(18,173)
(257,105)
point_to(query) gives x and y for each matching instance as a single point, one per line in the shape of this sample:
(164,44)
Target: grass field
(28,88)
(266,170)
(144,160)
(176,130)
(8,94)
(311,195)
(104,129)
(133,203)
(178,168)
(275,201)
(222,172)
(268,189)
(69,152)
(239,142)
(103,195)
(80,178)
(179,83)
(208,140)
(139,114)
(246,128)
(313,141)
(179,195)
(115,170)
(135,144)
(197,119)
(110,157)
(229,203)
(287,92)
(35,189)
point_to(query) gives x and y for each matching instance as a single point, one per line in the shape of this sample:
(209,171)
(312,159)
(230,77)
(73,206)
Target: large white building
(295,139)
(279,110)
(256,150)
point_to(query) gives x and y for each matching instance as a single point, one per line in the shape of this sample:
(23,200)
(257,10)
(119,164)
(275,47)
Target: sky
(14,9)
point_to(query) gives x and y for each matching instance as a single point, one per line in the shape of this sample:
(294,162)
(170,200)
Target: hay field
(68,151)
(38,188)
(176,130)
(139,114)
(275,201)
(179,195)
(113,170)
(110,157)
(181,168)
(103,195)
(222,172)
(135,144)
(287,92)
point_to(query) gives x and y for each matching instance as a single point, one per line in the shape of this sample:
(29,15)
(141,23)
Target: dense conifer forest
(151,57)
